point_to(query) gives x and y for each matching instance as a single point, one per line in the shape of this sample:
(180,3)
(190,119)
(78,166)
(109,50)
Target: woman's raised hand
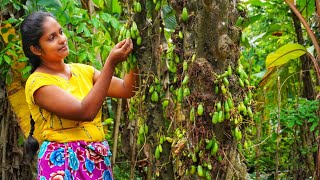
(120,51)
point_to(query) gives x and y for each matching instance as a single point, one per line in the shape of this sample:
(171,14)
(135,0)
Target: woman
(65,102)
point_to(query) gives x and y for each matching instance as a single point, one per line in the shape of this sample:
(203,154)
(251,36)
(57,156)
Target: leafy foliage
(269,40)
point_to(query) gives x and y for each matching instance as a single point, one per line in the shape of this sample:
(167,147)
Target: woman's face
(53,43)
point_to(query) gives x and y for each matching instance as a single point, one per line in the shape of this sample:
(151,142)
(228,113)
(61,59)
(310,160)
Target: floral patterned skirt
(74,161)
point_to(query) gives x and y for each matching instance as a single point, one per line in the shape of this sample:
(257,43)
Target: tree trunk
(13,164)
(149,62)
(308,138)
(14,113)
(211,47)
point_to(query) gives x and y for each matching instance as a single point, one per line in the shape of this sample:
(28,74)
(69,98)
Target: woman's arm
(62,104)
(121,88)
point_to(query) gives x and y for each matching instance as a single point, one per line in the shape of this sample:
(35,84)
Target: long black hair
(31,145)
(31,31)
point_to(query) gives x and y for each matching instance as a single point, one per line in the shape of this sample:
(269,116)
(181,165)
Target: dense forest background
(228,89)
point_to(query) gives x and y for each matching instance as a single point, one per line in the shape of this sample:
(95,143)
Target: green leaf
(258,3)
(99,3)
(13,53)
(95,22)
(23,59)
(26,70)
(11,20)
(80,28)
(55,4)
(313,127)
(169,17)
(7,59)
(284,54)
(110,19)
(82,56)
(116,8)
(307,7)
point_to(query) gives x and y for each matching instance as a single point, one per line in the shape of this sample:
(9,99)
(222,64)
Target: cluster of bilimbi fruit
(223,110)
(130,30)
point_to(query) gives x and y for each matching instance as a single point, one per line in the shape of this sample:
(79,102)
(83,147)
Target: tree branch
(318,7)
(305,24)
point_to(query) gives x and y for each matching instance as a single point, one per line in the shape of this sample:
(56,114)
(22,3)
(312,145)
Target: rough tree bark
(12,163)
(211,38)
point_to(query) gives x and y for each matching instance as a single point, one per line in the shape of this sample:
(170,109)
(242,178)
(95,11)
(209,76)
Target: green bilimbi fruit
(160,148)
(221,118)
(139,40)
(186,92)
(134,26)
(238,134)
(229,70)
(185,65)
(193,169)
(209,166)
(250,112)
(158,5)
(246,82)
(141,130)
(128,34)
(185,80)
(219,158)
(241,107)
(225,81)
(215,118)
(154,96)
(146,128)
(132,33)
(218,106)
(169,139)
(134,6)
(208,175)
(223,89)
(200,171)
(226,107)
(193,57)
(245,144)
(151,89)
(192,114)
(184,15)
(180,95)
(240,7)
(122,30)
(214,148)
(209,144)
(180,35)
(246,100)
(249,94)
(138,7)
(236,120)
(176,58)
(165,103)
(157,153)
(200,109)
(245,111)
(244,75)
(230,103)
(216,89)
(194,157)
(241,83)
(227,115)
